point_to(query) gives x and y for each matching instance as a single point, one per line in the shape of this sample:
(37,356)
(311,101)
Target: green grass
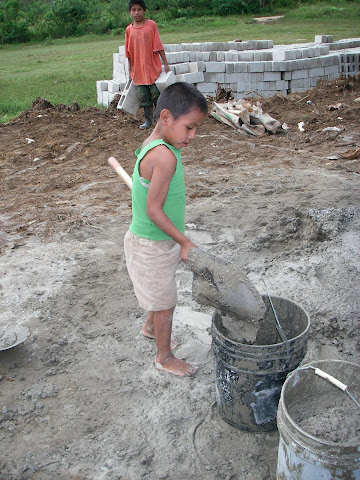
(65,71)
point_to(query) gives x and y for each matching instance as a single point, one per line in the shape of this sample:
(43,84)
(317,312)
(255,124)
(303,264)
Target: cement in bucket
(319,424)
(249,377)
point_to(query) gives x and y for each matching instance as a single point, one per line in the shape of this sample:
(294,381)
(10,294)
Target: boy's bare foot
(176,366)
(175,342)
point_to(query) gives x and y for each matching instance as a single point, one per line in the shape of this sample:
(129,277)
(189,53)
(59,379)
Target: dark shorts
(148,95)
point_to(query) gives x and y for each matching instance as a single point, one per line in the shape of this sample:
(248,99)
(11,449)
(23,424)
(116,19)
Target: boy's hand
(185,247)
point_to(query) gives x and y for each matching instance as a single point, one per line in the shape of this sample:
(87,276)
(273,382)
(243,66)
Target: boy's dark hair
(180,98)
(137,2)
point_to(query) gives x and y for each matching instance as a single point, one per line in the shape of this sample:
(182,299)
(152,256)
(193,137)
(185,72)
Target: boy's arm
(165,62)
(163,170)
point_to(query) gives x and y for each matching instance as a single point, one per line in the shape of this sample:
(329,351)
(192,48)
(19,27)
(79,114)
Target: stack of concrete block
(248,68)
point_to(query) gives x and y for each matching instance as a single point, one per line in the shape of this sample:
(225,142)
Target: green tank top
(174,205)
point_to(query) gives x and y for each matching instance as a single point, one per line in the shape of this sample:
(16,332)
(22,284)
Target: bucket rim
(316,440)
(271,345)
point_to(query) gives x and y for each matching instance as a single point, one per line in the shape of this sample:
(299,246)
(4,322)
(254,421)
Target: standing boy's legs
(155,93)
(164,359)
(149,332)
(145,102)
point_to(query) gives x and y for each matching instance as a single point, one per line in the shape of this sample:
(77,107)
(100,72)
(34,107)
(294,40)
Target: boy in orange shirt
(143,49)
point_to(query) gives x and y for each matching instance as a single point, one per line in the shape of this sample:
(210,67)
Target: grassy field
(65,71)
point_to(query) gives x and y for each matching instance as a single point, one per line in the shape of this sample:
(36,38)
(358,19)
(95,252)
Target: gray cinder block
(129,101)
(194,77)
(215,67)
(164,80)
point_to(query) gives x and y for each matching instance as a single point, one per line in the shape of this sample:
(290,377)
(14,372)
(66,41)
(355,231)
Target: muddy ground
(80,398)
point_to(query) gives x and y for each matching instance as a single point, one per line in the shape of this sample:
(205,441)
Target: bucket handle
(335,382)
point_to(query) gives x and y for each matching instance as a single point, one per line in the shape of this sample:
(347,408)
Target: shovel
(217,282)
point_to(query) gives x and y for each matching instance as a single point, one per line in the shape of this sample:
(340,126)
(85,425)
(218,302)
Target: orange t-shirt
(142,46)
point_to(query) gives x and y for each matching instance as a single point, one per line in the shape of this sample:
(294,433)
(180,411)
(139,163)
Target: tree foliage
(27,20)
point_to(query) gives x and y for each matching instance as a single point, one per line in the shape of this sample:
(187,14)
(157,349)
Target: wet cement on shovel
(222,284)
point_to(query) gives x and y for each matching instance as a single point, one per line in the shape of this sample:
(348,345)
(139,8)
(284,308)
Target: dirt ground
(80,398)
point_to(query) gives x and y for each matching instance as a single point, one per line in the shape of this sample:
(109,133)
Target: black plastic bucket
(249,378)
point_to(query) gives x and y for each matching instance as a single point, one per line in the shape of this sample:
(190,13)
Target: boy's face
(137,12)
(181,131)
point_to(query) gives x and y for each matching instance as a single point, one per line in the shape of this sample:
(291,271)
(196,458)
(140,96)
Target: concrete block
(185,56)
(187,47)
(192,56)
(99,97)
(210,77)
(194,67)
(307,83)
(113,87)
(258,86)
(331,70)
(258,76)
(116,58)
(321,38)
(281,85)
(102,85)
(164,80)
(122,49)
(231,56)
(324,49)
(172,47)
(181,68)
(214,77)
(272,76)
(207,87)
(297,83)
(119,77)
(281,66)
(231,77)
(129,101)
(213,56)
(246,56)
(240,67)
(171,57)
(215,67)
(203,56)
(119,67)
(294,65)
(266,56)
(229,67)
(105,98)
(286,75)
(299,74)
(220,56)
(256,67)
(243,86)
(316,72)
(279,55)
(200,66)
(194,77)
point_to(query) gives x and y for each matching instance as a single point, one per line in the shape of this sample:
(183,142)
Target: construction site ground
(80,398)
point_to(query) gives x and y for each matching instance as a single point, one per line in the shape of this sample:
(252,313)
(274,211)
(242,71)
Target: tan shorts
(152,265)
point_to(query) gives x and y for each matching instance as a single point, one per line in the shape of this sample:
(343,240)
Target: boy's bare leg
(148,327)
(164,359)
(149,332)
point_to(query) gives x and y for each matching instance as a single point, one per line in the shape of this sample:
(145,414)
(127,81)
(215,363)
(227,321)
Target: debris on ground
(351,154)
(245,117)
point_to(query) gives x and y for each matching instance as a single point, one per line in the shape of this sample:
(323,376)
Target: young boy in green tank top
(156,238)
